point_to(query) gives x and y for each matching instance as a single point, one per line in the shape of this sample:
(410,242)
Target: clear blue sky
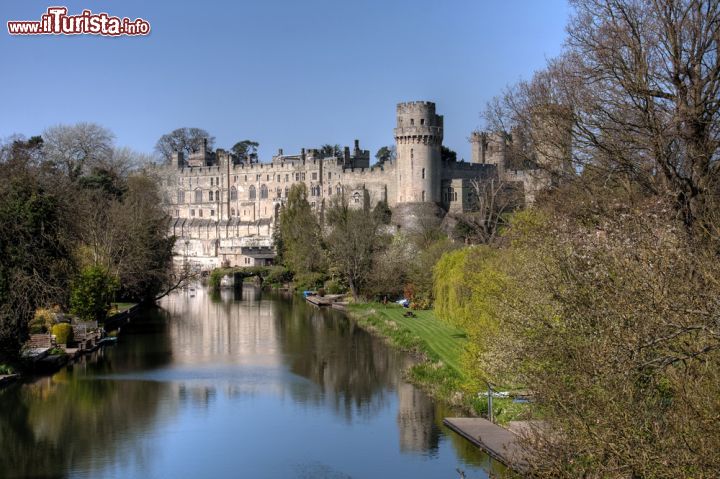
(286,73)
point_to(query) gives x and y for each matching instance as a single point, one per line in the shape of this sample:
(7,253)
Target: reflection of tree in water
(63,422)
(74,421)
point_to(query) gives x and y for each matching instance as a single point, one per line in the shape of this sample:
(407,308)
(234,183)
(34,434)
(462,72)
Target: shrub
(309,281)
(334,287)
(278,275)
(216,277)
(42,321)
(63,333)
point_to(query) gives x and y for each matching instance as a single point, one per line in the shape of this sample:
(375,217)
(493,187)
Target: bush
(278,275)
(63,333)
(334,287)
(216,277)
(92,293)
(42,321)
(309,281)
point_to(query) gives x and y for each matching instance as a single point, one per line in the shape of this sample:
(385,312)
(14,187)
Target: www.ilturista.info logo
(57,22)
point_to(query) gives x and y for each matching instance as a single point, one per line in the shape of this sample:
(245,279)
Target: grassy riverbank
(439,347)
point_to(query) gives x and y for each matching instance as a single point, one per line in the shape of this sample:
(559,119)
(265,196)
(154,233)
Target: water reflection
(242,383)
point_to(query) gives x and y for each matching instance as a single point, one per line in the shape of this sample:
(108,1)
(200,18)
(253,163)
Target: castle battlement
(225,210)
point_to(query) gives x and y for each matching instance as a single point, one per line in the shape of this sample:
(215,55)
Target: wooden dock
(500,443)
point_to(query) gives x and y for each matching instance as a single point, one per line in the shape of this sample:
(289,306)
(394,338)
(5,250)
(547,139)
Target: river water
(242,384)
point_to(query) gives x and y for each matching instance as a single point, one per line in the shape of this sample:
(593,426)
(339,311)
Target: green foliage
(385,153)
(92,292)
(278,275)
(63,333)
(300,236)
(246,150)
(43,321)
(333,286)
(353,240)
(217,275)
(447,154)
(309,281)
(382,213)
(420,274)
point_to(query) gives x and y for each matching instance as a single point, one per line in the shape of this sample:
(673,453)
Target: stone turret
(418,136)
(489,149)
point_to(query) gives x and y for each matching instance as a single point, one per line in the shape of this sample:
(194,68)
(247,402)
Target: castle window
(314,175)
(232,211)
(210,195)
(211,181)
(257,177)
(412,153)
(329,190)
(217,181)
(287,178)
(337,189)
(251,192)
(212,212)
(181,197)
(278,192)
(267,177)
(303,176)
(200,211)
(217,196)
(245,177)
(329,174)
(423,173)
(177,213)
(263,192)
(192,212)
(422,121)
(287,190)
(412,121)
(198,196)
(233,193)
(297,176)
(356,197)
(423,195)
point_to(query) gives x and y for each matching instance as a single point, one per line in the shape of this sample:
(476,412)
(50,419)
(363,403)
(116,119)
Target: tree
(246,150)
(34,244)
(76,149)
(183,140)
(446,154)
(328,150)
(300,236)
(354,238)
(492,202)
(637,89)
(386,153)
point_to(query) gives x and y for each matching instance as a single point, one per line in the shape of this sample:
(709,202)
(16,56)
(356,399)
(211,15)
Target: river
(241,384)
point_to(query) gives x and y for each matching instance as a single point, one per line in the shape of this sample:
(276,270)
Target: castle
(224,208)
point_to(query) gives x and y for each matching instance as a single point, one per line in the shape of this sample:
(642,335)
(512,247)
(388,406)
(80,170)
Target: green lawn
(443,340)
(120,307)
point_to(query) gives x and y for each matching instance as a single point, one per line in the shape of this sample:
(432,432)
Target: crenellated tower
(418,136)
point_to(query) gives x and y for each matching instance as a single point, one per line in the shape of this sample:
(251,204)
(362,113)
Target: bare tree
(76,149)
(183,140)
(491,203)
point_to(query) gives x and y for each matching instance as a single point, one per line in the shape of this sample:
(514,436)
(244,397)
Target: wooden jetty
(500,443)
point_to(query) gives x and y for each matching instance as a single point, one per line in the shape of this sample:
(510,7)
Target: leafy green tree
(446,154)
(330,150)
(302,247)
(92,292)
(353,240)
(246,150)
(386,153)
(34,247)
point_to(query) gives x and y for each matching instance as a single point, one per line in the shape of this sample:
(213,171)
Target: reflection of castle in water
(204,329)
(416,420)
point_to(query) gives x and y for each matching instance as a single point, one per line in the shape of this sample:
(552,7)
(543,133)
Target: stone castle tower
(418,137)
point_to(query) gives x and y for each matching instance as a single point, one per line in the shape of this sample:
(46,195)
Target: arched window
(233,193)
(181,197)
(356,197)
(251,192)
(217,195)
(263,192)
(210,195)
(198,196)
